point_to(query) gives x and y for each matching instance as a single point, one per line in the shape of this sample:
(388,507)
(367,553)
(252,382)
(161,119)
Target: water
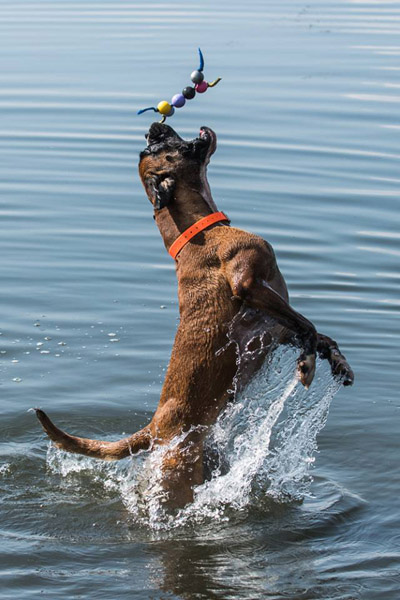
(307,123)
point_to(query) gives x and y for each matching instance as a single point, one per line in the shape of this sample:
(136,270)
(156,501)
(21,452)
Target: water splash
(264,443)
(261,447)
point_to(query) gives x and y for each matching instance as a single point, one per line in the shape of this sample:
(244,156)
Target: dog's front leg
(328,348)
(260,295)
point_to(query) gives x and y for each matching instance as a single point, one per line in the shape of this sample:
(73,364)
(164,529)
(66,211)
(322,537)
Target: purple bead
(201,87)
(178,100)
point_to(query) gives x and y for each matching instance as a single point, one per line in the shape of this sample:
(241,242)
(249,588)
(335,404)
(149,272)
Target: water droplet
(3,351)
(39,344)
(37,324)
(61,344)
(45,352)
(57,355)
(17,379)
(111,334)
(15,360)
(163,306)
(114,340)
(47,338)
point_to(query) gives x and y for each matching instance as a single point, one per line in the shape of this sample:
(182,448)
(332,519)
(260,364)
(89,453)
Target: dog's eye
(169,158)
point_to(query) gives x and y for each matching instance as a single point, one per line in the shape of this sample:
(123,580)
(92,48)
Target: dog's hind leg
(140,440)
(328,348)
(182,470)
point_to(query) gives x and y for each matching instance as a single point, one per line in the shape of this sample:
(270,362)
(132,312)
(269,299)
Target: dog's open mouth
(208,136)
(205,144)
(162,137)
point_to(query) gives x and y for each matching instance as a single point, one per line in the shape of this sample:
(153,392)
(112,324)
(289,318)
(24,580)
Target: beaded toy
(167,109)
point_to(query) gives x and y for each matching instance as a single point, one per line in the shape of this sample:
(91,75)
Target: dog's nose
(159,132)
(156,129)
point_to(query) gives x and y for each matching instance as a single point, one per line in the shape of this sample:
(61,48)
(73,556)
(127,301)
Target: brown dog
(220,271)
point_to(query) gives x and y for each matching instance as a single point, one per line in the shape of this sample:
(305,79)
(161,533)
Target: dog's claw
(306,369)
(349,380)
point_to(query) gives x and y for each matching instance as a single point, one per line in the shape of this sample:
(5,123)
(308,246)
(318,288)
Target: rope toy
(167,109)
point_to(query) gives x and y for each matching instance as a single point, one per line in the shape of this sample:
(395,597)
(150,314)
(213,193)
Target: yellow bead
(164,107)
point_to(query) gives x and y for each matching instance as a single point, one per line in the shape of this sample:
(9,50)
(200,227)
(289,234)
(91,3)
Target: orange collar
(187,235)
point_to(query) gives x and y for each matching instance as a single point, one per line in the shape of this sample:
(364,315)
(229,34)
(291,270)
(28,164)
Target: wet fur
(220,272)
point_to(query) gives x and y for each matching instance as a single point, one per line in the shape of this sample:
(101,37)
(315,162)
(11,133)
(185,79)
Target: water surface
(308,157)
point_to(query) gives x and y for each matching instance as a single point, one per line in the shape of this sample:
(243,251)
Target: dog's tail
(140,440)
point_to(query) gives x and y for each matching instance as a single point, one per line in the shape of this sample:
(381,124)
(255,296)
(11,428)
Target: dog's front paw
(341,368)
(306,369)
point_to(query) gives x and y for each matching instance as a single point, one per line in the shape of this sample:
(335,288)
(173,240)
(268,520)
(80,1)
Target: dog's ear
(161,191)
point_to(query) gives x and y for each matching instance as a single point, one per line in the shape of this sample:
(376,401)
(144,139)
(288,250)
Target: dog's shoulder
(233,242)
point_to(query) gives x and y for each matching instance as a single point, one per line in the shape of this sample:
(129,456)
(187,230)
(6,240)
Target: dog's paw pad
(306,369)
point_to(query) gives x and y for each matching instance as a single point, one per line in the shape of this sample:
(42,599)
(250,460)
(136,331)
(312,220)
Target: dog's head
(169,162)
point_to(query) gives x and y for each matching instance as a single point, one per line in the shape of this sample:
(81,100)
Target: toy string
(139,112)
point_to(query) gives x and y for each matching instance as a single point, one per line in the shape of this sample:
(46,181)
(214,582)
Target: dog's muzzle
(161,137)
(160,134)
